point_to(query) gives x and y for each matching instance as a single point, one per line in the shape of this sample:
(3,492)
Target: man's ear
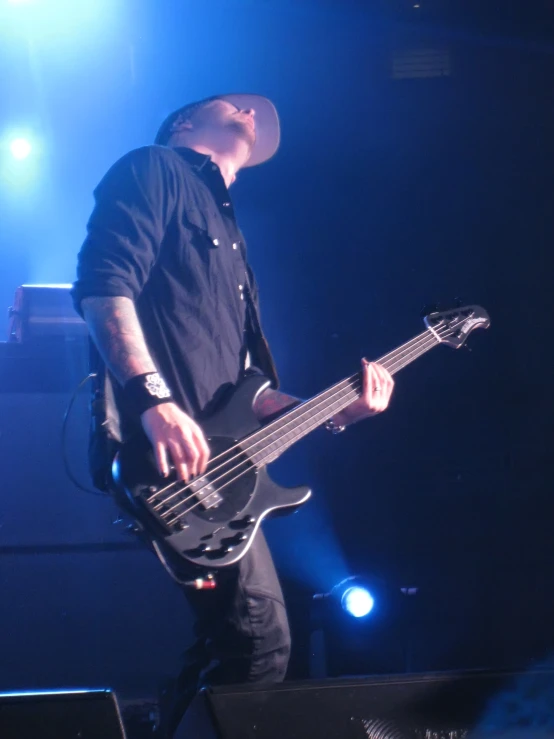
(181,124)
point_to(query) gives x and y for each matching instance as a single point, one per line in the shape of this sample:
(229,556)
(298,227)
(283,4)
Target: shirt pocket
(202,252)
(205,233)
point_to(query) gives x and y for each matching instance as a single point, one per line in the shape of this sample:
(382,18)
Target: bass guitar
(212,520)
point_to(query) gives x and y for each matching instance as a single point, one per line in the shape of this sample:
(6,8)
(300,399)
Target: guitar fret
(282,433)
(277,441)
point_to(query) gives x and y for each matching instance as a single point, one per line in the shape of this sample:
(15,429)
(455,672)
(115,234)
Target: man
(171,305)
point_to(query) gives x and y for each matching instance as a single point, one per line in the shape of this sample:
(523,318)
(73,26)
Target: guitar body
(212,521)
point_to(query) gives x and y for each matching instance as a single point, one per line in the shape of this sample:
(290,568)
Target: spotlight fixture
(357,595)
(357,628)
(357,601)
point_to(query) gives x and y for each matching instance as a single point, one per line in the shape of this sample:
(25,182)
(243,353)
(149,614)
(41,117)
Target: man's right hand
(176,436)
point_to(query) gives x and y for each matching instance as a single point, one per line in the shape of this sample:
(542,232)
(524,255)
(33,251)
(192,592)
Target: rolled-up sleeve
(134,204)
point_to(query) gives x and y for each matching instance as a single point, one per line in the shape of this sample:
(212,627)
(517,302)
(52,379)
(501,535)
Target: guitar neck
(289,428)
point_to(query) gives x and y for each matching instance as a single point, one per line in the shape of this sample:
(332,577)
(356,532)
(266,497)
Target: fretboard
(270,442)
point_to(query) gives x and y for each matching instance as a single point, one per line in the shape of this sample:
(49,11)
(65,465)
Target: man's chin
(246,133)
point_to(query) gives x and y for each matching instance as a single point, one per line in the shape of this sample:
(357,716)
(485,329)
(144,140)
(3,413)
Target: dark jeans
(241,627)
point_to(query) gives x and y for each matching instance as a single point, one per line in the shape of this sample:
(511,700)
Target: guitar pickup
(205,493)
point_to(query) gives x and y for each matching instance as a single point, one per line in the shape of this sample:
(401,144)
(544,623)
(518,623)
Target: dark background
(416,167)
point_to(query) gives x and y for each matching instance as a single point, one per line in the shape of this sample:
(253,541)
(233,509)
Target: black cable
(67,467)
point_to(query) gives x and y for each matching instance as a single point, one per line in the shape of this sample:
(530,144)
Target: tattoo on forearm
(271,404)
(116,331)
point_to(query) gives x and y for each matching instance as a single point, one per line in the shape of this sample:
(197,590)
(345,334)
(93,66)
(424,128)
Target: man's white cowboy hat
(268,132)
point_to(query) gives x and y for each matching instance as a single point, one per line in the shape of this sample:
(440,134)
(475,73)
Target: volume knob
(242,523)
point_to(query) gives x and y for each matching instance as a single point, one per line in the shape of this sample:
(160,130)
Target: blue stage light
(357,601)
(59,26)
(20,148)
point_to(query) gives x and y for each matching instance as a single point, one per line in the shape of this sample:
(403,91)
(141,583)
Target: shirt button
(216,242)
(226,205)
(235,246)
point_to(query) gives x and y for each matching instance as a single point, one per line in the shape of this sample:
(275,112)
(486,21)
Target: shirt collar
(198,161)
(210,173)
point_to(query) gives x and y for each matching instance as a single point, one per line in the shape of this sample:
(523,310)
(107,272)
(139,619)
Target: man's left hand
(377,389)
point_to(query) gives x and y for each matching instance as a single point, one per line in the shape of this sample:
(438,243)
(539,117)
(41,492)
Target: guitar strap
(255,339)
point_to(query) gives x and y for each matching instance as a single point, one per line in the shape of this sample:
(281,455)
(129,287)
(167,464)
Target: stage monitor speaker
(43,313)
(76,714)
(434,706)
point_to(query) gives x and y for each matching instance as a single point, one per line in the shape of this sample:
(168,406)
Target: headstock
(454,326)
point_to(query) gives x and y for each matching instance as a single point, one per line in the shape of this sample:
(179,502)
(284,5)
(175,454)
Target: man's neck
(229,163)
(227,166)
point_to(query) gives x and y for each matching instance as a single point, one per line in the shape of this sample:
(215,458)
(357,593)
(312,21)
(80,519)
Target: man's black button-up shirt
(163,233)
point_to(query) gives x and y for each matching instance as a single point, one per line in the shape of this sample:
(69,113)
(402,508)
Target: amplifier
(75,714)
(42,367)
(44,312)
(474,705)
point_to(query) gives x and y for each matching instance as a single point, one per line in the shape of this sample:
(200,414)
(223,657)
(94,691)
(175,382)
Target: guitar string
(425,337)
(323,408)
(317,412)
(246,468)
(340,385)
(181,515)
(314,423)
